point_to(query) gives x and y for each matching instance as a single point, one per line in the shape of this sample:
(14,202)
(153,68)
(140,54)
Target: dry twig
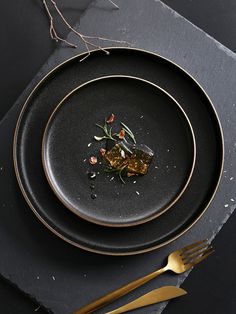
(86,40)
(115,5)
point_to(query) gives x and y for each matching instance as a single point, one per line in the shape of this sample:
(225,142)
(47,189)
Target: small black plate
(157,121)
(137,239)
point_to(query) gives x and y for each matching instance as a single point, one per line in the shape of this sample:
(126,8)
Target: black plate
(157,121)
(106,240)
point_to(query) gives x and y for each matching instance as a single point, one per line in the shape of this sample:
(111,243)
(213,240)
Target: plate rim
(94,220)
(152,248)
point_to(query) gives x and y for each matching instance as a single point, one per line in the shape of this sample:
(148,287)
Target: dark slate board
(60,276)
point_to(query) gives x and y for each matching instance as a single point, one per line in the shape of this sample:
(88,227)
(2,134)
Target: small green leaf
(108,134)
(100,126)
(98,138)
(129,132)
(105,128)
(120,176)
(110,170)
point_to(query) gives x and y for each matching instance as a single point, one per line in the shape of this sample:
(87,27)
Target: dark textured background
(25,49)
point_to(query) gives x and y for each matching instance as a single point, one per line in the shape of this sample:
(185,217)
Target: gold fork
(178,261)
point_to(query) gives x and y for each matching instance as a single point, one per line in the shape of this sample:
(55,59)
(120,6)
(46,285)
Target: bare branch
(113,3)
(81,36)
(86,40)
(52,30)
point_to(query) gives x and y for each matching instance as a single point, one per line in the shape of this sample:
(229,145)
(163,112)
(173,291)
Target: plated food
(121,156)
(128,183)
(161,135)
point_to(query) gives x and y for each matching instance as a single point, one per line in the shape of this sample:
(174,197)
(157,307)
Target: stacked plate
(165,108)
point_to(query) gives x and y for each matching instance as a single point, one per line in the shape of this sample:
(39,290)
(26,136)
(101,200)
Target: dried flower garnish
(102,151)
(111,118)
(93,160)
(121,134)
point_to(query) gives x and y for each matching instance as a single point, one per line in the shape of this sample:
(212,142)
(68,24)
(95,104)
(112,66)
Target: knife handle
(118,293)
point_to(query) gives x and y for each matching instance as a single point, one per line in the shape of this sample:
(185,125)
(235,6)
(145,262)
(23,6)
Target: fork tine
(196,255)
(191,246)
(197,249)
(200,259)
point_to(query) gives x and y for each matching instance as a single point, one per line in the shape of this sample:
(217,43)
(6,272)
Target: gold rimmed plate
(157,120)
(150,235)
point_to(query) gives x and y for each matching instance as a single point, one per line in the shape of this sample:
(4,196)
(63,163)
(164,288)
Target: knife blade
(152,297)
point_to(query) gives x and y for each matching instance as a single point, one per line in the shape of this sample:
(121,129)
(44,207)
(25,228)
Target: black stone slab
(216,17)
(62,277)
(14,300)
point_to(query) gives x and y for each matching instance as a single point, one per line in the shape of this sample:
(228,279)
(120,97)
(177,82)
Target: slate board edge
(28,295)
(218,44)
(52,62)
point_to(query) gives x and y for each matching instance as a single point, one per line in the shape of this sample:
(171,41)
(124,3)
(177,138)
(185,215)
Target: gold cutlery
(178,262)
(152,297)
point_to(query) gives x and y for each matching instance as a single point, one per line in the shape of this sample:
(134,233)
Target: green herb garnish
(108,133)
(117,171)
(129,132)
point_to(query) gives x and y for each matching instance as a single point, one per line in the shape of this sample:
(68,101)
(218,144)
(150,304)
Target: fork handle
(108,298)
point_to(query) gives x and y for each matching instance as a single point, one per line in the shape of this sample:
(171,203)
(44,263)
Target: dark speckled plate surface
(157,232)
(157,121)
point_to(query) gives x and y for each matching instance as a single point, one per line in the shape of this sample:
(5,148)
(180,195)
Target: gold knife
(152,297)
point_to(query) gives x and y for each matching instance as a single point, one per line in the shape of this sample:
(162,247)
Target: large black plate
(156,119)
(106,240)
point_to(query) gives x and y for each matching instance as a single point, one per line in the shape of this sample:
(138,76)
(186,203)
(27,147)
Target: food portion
(121,154)
(132,159)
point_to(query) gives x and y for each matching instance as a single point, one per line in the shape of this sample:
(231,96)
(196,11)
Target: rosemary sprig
(116,171)
(128,131)
(108,133)
(109,136)
(120,175)
(126,147)
(108,169)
